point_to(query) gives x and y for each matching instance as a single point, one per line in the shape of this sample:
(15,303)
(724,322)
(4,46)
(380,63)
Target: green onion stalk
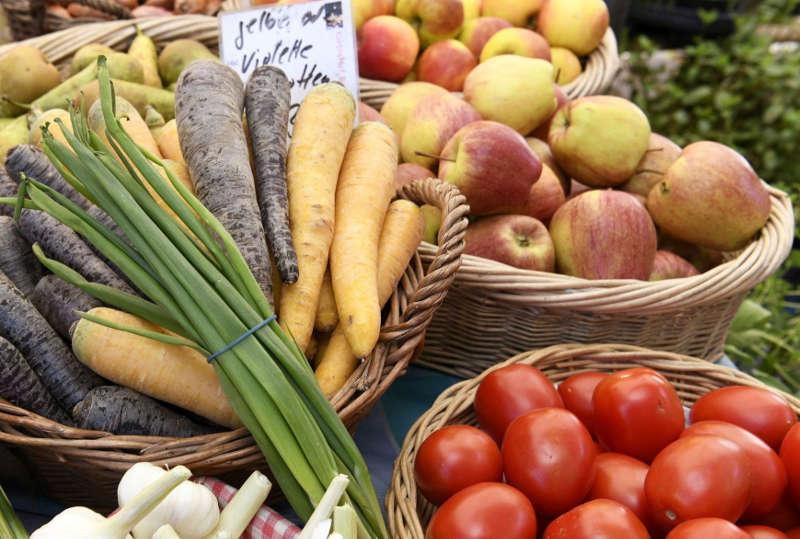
(10,525)
(199,287)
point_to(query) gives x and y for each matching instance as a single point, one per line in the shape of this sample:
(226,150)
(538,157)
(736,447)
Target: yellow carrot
(366,186)
(175,374)
(327,315)
(168,142)
(321,130)
(400,237)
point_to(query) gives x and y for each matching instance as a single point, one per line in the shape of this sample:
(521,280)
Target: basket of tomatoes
(601,441)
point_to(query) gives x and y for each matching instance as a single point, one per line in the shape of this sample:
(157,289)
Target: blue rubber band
(242,337)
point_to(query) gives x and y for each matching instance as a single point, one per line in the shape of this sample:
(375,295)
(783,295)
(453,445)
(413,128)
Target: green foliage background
(739,92)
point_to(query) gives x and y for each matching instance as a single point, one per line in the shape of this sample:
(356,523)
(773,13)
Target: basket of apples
(443,41)
(591,229)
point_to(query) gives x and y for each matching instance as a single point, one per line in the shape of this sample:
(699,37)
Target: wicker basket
(78,466)
(28,18)
(409,512)
(494,311)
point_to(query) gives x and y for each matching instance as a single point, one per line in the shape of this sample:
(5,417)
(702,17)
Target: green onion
(204,292)
(10,526)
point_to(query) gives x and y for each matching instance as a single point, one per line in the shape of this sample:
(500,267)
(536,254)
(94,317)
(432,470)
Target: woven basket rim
(455,403)
(756,261)
(419,293)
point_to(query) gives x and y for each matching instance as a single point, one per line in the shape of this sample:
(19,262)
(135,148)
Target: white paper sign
(313,43)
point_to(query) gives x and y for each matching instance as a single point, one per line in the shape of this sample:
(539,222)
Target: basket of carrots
(118,345)
(684,445)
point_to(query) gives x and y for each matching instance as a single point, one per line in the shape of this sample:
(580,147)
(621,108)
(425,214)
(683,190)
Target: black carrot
(267,100)
(56,300)
(209,100)
(16,258)
(121,410)
(32,161)
(24,327)
(20,386)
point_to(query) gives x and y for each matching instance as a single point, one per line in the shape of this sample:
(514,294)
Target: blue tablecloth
(379,436)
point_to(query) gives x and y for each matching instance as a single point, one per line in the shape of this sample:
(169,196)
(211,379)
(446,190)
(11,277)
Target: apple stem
(654,150)
(439,157)
(558,72)
(650,171)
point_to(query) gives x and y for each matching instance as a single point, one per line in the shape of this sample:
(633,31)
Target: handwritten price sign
(312,42)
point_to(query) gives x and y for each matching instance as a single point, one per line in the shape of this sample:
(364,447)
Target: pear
(177,55)
(25,74)
(711,197)
(87,55)
(11,135)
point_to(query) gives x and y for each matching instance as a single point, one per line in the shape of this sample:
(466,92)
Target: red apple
(435,19)
(477,32)
(604,234)
(368,114)
(661,153)
(403,100)
(493,167)
(430,125)
(519,41)
(517,240)
(561,98)
(701,258)
(446,63)
(433,222)
(364,10)
(546,155)
(576,188)
(577,25)
(387,48)
(668,265)
(711,197)
(546,196)
(408,172)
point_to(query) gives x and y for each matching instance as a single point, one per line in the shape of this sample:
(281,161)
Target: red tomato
(767,469)
(761,412)
(508,392)
(621,478)
(790,455)
(549,455)
(794,533)
(695,477)
(764,532)
(708,528)
(576,392)
(455,457)
(484,511)
(597,519)
(784,516)
(637,412)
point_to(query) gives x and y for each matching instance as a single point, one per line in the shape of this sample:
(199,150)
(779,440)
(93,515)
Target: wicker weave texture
(28,18)
(78,466)
(407,510)
(494,311)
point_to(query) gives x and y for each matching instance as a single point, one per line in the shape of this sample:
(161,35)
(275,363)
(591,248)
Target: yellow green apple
(472,10)
(403,100)
(513,90)
(577,25)
(711,197)
(661,153)
(434,19)
(604,234)
(433,222)
(517,12)
(599,140)
(476,32)
(544,128)
(517,240)
(545,196)
(430,125)
(387,48)
(519,41)
(364,10)
(409,172)
(447,64)
(493,167)
(667,265)
(566,64)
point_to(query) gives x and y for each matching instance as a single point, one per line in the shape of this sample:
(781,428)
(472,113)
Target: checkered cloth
(267,524)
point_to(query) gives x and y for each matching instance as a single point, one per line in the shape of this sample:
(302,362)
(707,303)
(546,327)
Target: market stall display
(669,379)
